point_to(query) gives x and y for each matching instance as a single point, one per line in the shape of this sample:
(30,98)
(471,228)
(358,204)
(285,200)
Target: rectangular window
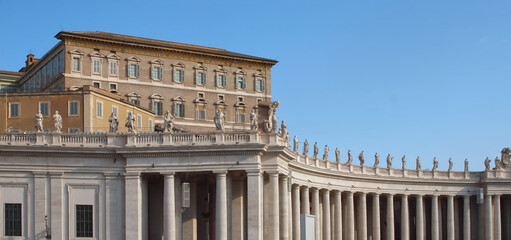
(73,108)
(150,121)
(240,116)
(156,72)
(113,68)
(139,122)
(96,84)
(113,86)
(201,112)
(240,82)
(135,101)
(221,80)
(99,109)
(14,110)
(12,220)
(158,108)
(76,64)
(84,221)
(115,110)
(73,130)
(133,70)
(200,78)
(220,97)
(260,85)
(179,111)
(179,75)
(44,107)
(96,66)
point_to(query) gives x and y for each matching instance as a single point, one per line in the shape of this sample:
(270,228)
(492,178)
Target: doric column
(376,216)
(362,216)
(169,207)
(337,216)
(351,217)
(274,212)
(450,218)
(315,210)
(405,221)
(488,218)
(420,218)
(390,216)
(434,218)
(326,215)
(255,205)
(221,206)
(305,200)
(466,217)
(496,215)
(284,209)
(296,212)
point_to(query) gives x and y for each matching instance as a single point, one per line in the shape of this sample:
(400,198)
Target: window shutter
(182,75)
(224,80)
(204,79)
(197,77)
(153,75)
(244,83)
(137,70)
(263,84)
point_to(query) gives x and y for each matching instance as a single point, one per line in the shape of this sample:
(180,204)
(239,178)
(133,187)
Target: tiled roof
(146,42)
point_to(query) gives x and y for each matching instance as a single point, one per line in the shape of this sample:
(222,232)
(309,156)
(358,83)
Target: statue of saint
(403,160)
(168,122)
(376,160)
(389,161)
(419,167)
(114,123)
(283,129)
(450,165)
(219,120)
(130,122)
(498,164)
(487,162)
(270,125)
(466,164)
(253,121)
(305,147)
(316,150)
(361,158)
(295,144)
(350,158)
(38,122)
(325,155)
(57,121)
(435,164)
(337,155)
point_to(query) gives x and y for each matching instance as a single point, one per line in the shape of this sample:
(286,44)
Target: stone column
(376,216)
(274,212)
(221,206)
(405,221)
(466,217)
(169,207)
(420,218)
(315,210)
(305,200)
(390,216)
(434,218)
(296,212)
(351,217)
(326,215)
(255,205)
(133,209)
(496,215)
(284,209)
(337,216)
(362,216)
(488,218)
(450,218)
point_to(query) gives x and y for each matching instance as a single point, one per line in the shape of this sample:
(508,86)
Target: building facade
(247,181)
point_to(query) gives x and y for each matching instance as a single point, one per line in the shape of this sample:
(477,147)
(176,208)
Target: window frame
(93,66)
(18,220)
(69,112)
(90,222)
(18,111)
(94,84)
(48,113)
(139,122)
(156,70)
(157,99)
(99,111)
(178,67)
(135,62)
(113,59)
(201,75)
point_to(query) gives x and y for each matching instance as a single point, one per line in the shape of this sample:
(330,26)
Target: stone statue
(325,155)
(498,164)
(337,155)
(38,122)
(435,164)
(376,160)
(389,161)
(283,129)
(168,122)
(219,120)
(419,167)
(316,150)
(487,162)
(130,122)
(506,158)
(114,123)
(57,121)
(466,164)
(288,139)
(350,158)
(253,121)
(295,144)
(270,125)
(403,159)
(361,158)
(305,147)
(450,165)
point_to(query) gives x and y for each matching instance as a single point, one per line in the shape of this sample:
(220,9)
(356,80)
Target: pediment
(156,62)
(133,94)
(240,104)
(202,68)
(76,52)
(114,56)
(96,54)
(221,102)
(178,99)
(156,96)
(259,75)
(178,65)
(221,70)
(200,100)
(133,59)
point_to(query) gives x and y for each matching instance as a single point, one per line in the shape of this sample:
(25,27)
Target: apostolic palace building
(110,137)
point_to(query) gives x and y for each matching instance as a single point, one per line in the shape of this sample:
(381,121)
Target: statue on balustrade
(271,125)
(295,144)
(498,164)
(253,120)
(466,164)
(168,122)
(389,161)
(325,155)
(130,123)
(114,123)
(435,164)
(450,165)
(487,162)
(305,147)
(57,121)
(38,122)
(403,160)
(350,158)
(337,155)
(418,167)
(283,129)
(506,158)
(376,160)
(219,120)
(316,150)
(361,158)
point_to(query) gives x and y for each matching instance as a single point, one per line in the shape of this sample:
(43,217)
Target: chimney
(30,60)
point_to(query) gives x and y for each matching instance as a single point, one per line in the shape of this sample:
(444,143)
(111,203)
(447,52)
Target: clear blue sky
(415,78)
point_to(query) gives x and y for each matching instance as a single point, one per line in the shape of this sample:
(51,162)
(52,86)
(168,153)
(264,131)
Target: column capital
(219,172)
(166,174)
(253,172)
